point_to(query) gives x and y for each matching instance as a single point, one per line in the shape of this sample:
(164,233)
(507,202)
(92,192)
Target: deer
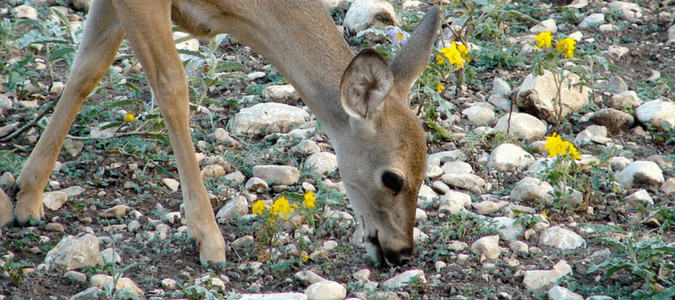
(360,99)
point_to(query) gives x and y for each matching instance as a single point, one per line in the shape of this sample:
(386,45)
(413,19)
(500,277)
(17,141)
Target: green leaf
(60,53)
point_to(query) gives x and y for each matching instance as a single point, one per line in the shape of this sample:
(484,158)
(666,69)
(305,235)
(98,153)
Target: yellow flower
(304,257)
(556,146)
(566,46)
(258,207)
(439,87)
(281,206)
(453,55)
(463,51)
(543,214)
(309,199)
(544,39)
(129,117)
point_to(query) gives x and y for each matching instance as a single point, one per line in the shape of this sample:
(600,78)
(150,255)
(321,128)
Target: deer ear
(365,84)
(414,55)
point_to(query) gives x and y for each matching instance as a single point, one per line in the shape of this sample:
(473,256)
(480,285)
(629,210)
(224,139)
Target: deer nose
(397,257)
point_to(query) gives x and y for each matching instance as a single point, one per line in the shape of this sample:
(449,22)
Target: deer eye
(392,181)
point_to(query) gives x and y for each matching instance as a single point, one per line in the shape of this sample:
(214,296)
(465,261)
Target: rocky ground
(497,217)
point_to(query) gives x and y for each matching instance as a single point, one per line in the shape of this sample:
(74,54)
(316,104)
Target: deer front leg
(148,28)
(102,36)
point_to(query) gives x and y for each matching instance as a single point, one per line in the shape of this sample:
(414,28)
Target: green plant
(649,259)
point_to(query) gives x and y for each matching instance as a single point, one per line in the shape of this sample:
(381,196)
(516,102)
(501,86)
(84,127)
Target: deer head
(382,151)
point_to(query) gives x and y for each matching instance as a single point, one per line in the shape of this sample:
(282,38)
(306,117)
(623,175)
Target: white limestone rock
(530,189)
(255,119)
(404,278)
(561,238)
(509,157)
(538,92)
(366,13)
(661,113)
(321,163)
(640,172)
(75,252)
(524,126)
(275,174)
(326,290)
(488,246)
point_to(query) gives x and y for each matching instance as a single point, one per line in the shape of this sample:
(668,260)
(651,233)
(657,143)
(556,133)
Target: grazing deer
(361,101)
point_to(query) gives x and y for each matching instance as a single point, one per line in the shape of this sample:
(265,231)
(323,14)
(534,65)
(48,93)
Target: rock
(54,200)
(592,21)
(255,119)
(243,242)
(76,276)
(321,163)
(171,183)
(55,227)
(560,238)
(500,101)
(169,284)
(238,206)
(256,184)
(488,246)
(330,4)
(88,294)
(479,113)
(509,157)
(578,4)
(488,207)
(608,28)
(561,293)
(438,158)
(119,210)
(457,167)
(366,13)
(419,236)
(661,113)
(426,196)
(235,178)
(667,187)
(535,280)
(404,279)
(274,296)
(75,252)
(274,174)
(453,202)
(616,121)
(305,148)
(640,197)
(617,51)
(326,290)
(214,171)
(101,281)
(109,256)
(7,181)
(640,172)
(593,133)
(625,99)
(25,12)
(519,247)
(615,85)
(414,6)
(308,277)
(546,25)
(524,126)
(471,182)
(508,228)
(255,75)
(531,189)
(219,134)
(537,94)
(281,93)
(629,11)
(362,276)
(500,87)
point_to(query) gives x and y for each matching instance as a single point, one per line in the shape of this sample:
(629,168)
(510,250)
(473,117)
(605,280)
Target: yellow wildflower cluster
(309,199)
(258,208)
(566,45)
(281,206)
(544,39)
(129,117)
(457,55)
(556,146)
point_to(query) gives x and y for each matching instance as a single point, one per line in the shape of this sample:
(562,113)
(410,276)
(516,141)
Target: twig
(31,124)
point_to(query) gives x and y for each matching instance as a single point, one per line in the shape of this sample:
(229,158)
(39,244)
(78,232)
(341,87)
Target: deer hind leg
(148,28)
(101,39)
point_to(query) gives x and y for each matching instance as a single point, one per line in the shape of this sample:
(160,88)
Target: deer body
(361,102)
